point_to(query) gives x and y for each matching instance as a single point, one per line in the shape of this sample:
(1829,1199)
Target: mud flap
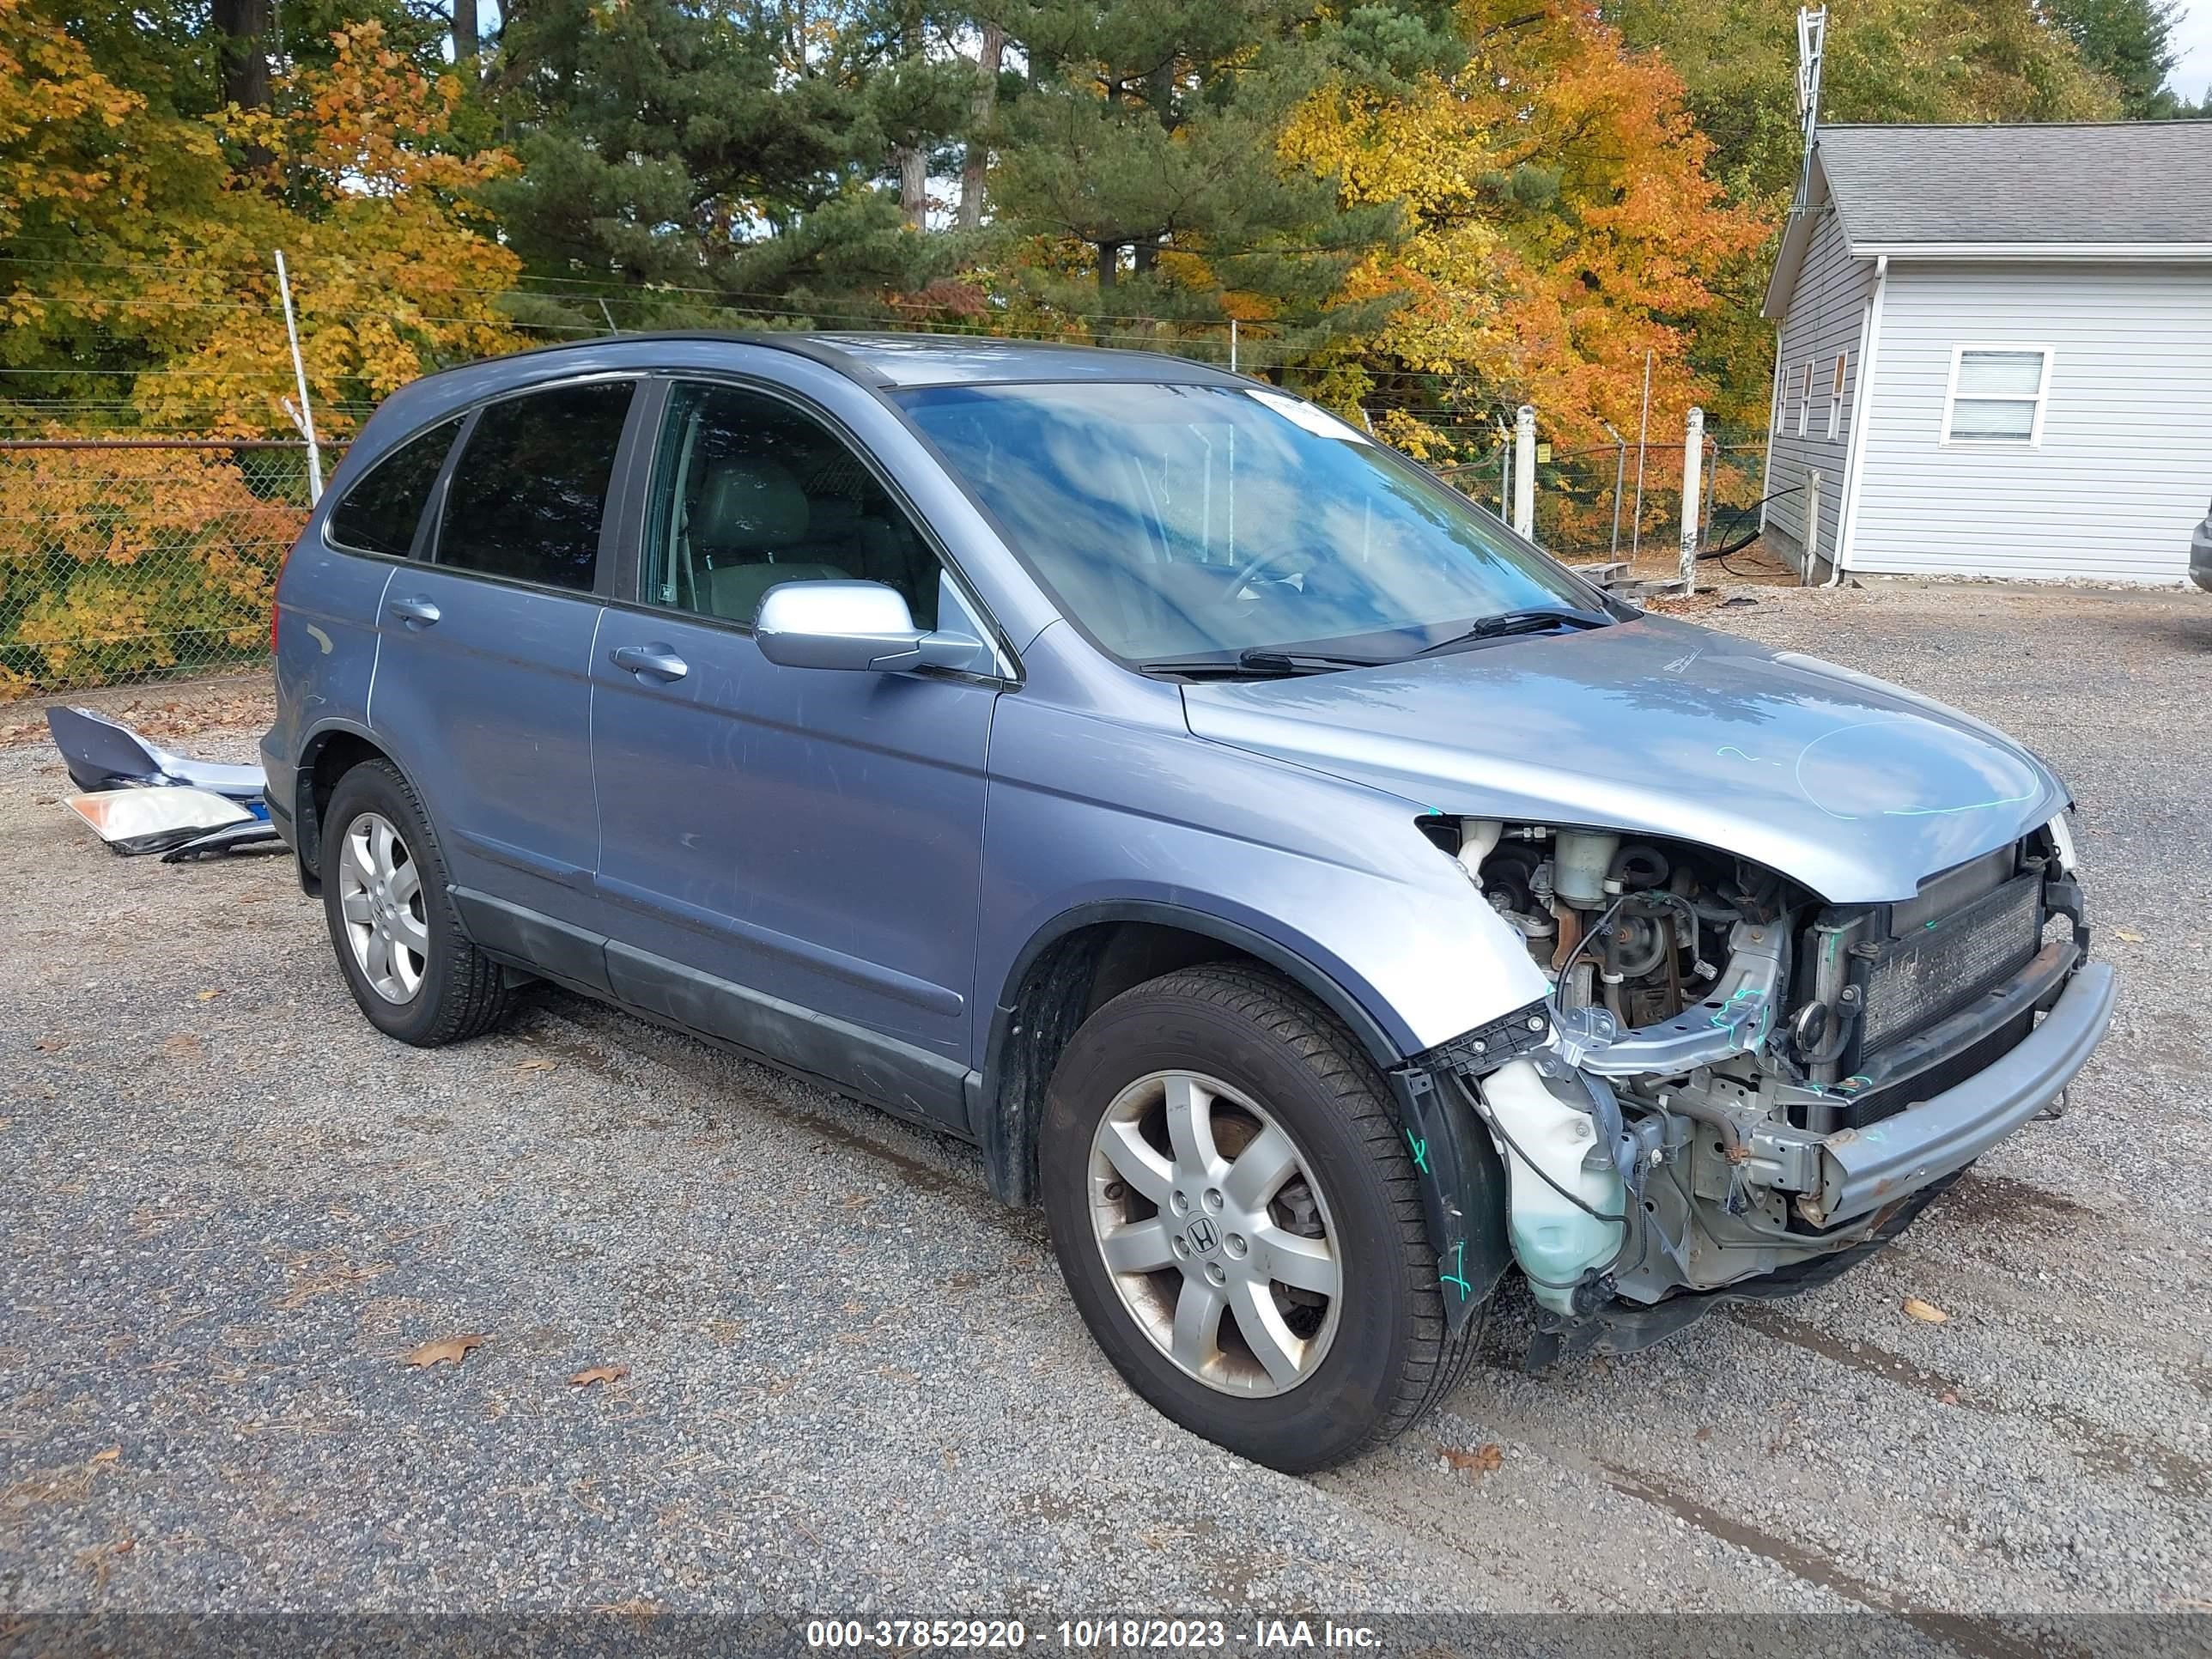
(1463,1188)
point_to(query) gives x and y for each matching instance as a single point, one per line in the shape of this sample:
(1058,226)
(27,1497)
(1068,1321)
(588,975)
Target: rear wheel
(1239,1223)
(399,942)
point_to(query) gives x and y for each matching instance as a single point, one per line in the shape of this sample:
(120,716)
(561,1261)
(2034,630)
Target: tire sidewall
(1330,1413)
(374,786)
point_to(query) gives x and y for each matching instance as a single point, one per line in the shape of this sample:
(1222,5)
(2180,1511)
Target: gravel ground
(855,1383)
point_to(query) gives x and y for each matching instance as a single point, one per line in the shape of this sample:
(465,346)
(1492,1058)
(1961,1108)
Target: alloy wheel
(1215,1235)
(380,897)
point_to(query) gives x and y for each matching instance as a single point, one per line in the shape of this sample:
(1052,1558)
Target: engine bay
(1638,926)
(1674,1131)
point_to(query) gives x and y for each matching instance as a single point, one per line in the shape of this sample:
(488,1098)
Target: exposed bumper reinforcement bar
(1627,1327)
(1863,1170)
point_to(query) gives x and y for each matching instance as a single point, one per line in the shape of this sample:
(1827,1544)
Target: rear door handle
(659,661)
(417,612)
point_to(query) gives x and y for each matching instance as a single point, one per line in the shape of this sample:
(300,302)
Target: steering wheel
(1252,571)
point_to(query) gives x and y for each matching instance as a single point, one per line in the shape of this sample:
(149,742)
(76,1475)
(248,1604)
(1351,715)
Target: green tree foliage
(2128,41)
(724,154)
(1888,60)
(1141,157)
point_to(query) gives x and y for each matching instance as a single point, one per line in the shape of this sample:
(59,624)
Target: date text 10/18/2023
(1102,1634)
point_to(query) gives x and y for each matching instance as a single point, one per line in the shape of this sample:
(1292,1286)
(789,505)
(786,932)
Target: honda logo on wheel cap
(1204,1237)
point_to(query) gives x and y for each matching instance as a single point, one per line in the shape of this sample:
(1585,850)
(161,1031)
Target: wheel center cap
(1204,1237)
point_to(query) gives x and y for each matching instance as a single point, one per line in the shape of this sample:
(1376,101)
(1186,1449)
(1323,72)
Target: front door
(790,856)
(482,676)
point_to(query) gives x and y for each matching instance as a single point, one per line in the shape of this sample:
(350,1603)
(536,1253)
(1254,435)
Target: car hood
(1855,788)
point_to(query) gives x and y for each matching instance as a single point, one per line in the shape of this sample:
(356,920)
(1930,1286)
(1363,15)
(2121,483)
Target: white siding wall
(2124,468)
(1826,310)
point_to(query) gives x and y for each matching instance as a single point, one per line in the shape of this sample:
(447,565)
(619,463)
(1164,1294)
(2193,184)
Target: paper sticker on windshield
(1319,422)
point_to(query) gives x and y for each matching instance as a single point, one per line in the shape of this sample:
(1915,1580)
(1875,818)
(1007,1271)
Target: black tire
(462,992)
(1390,1360)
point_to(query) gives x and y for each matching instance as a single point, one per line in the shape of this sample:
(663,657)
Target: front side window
(1176,522)
(750,491)
(380,513)
(530,490)
(1996,395)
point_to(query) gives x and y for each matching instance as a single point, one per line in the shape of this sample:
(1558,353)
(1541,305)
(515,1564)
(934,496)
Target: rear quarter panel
(328,603)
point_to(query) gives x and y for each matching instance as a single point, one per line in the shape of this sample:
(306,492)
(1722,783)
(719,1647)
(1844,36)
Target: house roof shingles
(2136,182)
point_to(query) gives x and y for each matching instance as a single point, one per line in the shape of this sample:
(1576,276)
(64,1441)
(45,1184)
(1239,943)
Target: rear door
(482,685)
(790,856)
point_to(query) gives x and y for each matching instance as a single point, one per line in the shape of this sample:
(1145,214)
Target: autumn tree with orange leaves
(137,293)
(1560,224)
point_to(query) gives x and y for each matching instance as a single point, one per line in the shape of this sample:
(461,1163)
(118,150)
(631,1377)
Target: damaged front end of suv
(1736,1087)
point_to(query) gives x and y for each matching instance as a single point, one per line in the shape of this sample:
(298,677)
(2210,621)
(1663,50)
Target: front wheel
(1238,1220)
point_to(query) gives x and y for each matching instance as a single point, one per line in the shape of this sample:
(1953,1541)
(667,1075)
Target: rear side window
(530,490)
(380,513)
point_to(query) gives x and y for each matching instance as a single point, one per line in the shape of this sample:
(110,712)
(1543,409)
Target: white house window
(1804,398)
(1835,397)
(1996,394)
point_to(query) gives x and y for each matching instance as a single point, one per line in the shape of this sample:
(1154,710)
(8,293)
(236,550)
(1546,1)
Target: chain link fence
(1624,501)
(125,560)
(129,560)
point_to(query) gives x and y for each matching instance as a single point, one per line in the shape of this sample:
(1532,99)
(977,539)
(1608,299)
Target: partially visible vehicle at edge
(2200,554)
(1321,901)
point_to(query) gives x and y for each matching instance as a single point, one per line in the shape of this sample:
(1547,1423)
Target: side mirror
(857,626)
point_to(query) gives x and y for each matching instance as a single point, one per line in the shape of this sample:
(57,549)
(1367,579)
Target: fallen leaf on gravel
(2132,937)
(451,1352)
(208,996)
(107,1456)
(1474,1464)
(1946,1398)
(50,1045)
(539,1065)
(893,1374)
(1703,1435)
(1926,1312)
(598,1374)
(183,1046)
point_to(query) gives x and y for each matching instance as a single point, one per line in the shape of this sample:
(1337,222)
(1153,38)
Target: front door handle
(417,612)
(660,661)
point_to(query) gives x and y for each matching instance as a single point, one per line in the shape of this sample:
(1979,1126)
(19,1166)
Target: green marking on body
(1420,1153)
(1459,1266)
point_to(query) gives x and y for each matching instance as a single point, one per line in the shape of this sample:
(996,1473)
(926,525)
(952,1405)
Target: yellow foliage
(1560,220)
(117,563)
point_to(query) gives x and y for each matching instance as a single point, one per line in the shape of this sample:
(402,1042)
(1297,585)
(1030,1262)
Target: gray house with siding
(1993,348)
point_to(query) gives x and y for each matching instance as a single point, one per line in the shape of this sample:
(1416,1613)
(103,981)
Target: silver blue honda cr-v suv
(1322,903)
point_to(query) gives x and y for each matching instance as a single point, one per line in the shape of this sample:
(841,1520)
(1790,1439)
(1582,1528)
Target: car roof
(891,359)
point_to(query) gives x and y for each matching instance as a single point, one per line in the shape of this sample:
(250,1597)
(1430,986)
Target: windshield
(1176,523)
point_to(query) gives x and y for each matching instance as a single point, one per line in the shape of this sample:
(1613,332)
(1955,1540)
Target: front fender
(1085,813)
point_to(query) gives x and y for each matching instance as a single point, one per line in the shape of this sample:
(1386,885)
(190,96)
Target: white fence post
(1812,536)
(1524,471)
(303,416)
(1693,456)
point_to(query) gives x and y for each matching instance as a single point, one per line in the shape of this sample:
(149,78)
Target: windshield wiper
(1536,619)
(1259,662)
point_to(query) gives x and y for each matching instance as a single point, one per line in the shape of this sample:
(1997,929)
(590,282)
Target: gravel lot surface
(854,1382)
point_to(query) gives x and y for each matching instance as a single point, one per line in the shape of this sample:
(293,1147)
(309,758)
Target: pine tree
(749,157)
(1139,158)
